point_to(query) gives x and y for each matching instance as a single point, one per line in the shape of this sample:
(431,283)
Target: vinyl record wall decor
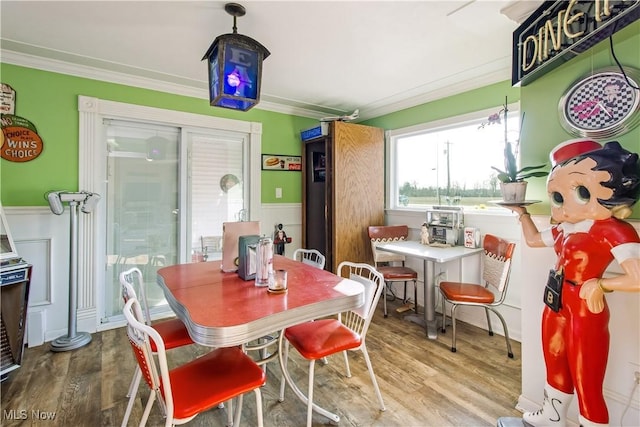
(603,104)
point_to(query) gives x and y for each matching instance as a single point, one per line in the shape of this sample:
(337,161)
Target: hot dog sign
(19,140)
(281,162)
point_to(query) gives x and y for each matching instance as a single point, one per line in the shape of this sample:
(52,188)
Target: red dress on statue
(575,340)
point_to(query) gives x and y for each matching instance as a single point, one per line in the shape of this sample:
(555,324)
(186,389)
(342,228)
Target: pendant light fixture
(235,67)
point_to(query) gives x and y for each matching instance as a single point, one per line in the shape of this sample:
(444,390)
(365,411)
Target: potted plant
(513,182)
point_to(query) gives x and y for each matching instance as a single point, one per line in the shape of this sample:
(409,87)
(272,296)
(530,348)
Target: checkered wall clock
(604,104)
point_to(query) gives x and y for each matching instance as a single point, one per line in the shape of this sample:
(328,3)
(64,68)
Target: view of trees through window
(451,165)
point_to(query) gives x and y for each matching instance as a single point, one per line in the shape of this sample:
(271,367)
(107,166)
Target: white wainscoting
(42,239)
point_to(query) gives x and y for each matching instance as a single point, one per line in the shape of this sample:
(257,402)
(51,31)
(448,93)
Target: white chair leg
(147,409)
(133,391)
(259,406)
(312,365)
(285,359)
(229,408)
(135,381)
(127,413)
(373,377)
(238,414)
(346,363)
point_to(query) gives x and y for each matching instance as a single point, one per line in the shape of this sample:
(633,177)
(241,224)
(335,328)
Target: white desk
(434,255)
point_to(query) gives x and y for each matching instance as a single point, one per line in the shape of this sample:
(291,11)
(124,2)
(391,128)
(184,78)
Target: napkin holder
(247,256)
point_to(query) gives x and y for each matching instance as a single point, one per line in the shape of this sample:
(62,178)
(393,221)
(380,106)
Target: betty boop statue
(592,189)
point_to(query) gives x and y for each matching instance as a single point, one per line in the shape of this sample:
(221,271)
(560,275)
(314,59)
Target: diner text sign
(559,30)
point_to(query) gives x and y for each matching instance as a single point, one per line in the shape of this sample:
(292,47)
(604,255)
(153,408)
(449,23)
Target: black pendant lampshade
(235,67)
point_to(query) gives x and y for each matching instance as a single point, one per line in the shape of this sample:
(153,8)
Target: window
(448,162)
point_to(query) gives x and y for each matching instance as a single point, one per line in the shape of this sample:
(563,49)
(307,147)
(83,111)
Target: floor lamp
(86,202)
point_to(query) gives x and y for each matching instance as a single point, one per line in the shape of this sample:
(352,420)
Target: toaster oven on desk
(445,225)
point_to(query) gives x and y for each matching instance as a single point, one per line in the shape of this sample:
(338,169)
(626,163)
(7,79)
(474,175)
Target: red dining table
(222,310)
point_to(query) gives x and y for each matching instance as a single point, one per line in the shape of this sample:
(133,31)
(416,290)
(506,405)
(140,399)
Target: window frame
(391,167)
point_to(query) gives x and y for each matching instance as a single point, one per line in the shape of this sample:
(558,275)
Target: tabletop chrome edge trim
(229,336)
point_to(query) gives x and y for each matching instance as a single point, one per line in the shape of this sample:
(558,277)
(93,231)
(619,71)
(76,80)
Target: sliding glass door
(168,188)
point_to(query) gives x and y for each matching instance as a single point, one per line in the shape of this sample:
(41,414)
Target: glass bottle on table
(264,262)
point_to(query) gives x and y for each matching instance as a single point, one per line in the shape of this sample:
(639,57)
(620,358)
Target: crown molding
(494,72)
(95,73)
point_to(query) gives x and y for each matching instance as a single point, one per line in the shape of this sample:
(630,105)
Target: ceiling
(327,57)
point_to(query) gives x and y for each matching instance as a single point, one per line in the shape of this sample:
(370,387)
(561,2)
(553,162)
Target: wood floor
(422,382)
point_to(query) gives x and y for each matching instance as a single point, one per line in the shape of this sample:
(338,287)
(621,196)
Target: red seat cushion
(397,273)
(173,332)
(317,339)
(466,292)
(216,377)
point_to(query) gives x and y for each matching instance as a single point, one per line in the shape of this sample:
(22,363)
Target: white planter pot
(513,192)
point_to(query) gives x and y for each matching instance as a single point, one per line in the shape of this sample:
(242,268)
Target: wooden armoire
(343,192)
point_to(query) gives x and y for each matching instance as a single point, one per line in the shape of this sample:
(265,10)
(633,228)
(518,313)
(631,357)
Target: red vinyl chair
(496,268)
(320,338)
(197,386)
(390,265)
(173,332)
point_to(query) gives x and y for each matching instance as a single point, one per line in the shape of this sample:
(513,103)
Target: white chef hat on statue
(572,148)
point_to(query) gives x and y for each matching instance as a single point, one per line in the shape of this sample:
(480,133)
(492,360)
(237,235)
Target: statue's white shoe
(553,411)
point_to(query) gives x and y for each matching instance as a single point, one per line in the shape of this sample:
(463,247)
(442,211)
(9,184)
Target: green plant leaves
(515,175)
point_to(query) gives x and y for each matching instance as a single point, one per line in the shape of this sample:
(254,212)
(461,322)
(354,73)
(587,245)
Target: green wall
(468,102)
(539,100)
(49,101)
(542,129)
